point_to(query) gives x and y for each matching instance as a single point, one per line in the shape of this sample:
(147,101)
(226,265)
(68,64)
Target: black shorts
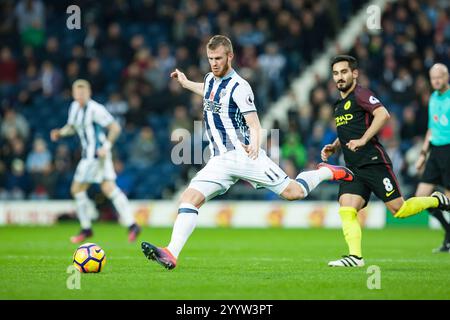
(437,168)
(377,178)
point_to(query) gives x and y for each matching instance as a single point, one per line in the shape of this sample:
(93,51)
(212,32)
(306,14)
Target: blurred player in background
(437,145)
(233,131)
(359,117)
(87,118)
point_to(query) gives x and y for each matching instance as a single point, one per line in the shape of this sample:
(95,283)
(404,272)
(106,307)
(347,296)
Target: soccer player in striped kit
(437,146)
(87,118)
(359,117)
(233,130)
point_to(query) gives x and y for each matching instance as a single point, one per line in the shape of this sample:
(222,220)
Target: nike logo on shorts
(388,194)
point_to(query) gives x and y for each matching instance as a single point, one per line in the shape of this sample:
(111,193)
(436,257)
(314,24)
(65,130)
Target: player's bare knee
(291,197)
(77,188)
(292,193)
(395,207)
(393,210)
(107,187)
(193,197)
(73,192)
(74,189)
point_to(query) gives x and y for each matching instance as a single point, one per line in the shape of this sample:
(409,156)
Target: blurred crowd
(126,49)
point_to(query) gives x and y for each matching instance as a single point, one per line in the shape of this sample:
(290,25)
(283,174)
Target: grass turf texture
(225,264)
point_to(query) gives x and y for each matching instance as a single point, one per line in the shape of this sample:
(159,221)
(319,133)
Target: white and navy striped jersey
(89,122)
(225,101)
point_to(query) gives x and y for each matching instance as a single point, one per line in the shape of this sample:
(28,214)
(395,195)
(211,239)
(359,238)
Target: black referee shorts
(437,168)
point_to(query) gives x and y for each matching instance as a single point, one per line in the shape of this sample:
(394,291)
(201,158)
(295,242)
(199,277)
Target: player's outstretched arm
(254,126)
(65,131)
(196,87)
(380,117)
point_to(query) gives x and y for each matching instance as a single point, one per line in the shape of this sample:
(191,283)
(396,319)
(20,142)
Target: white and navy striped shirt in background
(89,122)
(225,101)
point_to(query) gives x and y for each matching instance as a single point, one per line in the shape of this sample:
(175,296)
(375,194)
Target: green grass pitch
(225,264)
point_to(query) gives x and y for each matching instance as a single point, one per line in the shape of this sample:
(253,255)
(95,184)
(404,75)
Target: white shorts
(222,171)
(95,170)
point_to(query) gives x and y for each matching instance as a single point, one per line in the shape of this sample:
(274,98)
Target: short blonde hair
(81,83)
(219,40)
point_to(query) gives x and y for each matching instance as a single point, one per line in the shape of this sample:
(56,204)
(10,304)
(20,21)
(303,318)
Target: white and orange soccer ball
(89,257)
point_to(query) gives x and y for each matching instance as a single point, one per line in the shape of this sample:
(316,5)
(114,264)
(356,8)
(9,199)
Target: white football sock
(120,201)
(183,227)
(309,180)
(82,205)
(92,210)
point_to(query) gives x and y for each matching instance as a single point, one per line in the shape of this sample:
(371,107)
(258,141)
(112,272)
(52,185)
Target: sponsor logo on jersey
(213,106)
(344,119)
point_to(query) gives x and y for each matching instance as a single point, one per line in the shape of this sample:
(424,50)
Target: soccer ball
(89,257)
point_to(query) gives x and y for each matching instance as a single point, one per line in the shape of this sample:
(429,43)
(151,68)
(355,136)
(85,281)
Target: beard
(223,71)
(344,88)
